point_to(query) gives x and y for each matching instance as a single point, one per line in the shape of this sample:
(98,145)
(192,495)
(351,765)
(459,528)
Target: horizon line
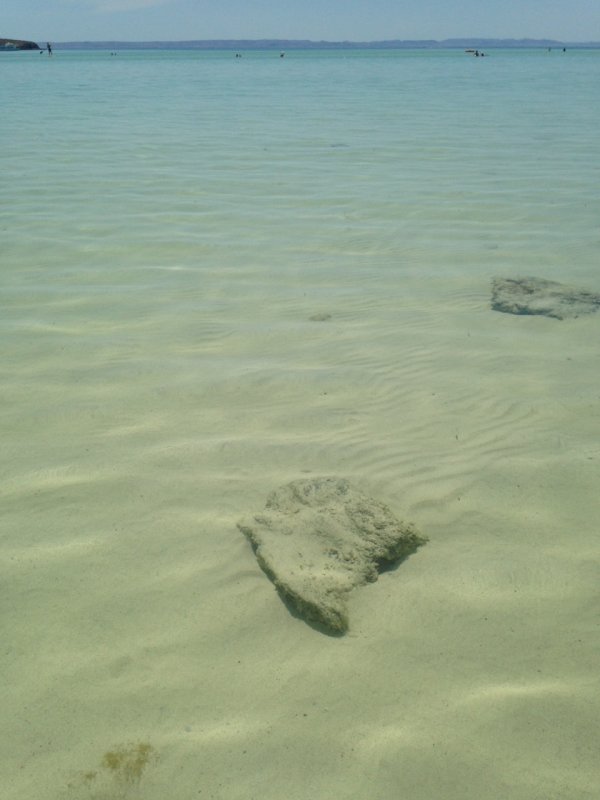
(274,40)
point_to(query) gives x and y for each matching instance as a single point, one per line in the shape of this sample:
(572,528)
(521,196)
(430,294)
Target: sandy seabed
(146,654)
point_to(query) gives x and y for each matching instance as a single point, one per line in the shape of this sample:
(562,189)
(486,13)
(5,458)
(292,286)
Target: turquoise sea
(222,274)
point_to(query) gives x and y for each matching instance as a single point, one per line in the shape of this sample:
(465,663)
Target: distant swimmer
(281,55)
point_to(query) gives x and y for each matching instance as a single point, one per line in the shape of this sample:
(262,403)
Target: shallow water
(171,222)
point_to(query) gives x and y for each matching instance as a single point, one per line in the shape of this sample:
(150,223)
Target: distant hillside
(304,44)
(18,44)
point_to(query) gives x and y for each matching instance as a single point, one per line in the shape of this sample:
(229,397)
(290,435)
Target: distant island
(18,44)
(305,44)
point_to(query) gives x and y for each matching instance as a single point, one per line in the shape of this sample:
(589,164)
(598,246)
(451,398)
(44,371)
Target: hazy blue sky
(64,20)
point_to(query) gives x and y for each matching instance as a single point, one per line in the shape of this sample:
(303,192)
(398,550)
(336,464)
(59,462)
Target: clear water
(171,222)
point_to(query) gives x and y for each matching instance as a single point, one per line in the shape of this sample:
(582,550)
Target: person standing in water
(49,46)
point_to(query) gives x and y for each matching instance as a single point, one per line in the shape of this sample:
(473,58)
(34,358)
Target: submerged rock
(539,296)
(319,538)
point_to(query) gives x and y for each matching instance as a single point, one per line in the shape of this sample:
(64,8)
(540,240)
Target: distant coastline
(304,44)
(18,44)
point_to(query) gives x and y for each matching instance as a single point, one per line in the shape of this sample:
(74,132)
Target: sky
(333,20)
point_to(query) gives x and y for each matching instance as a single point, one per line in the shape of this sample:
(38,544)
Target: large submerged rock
(319,538)
(539,296)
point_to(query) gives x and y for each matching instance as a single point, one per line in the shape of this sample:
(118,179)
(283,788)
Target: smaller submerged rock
(319,538)
(539,296)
